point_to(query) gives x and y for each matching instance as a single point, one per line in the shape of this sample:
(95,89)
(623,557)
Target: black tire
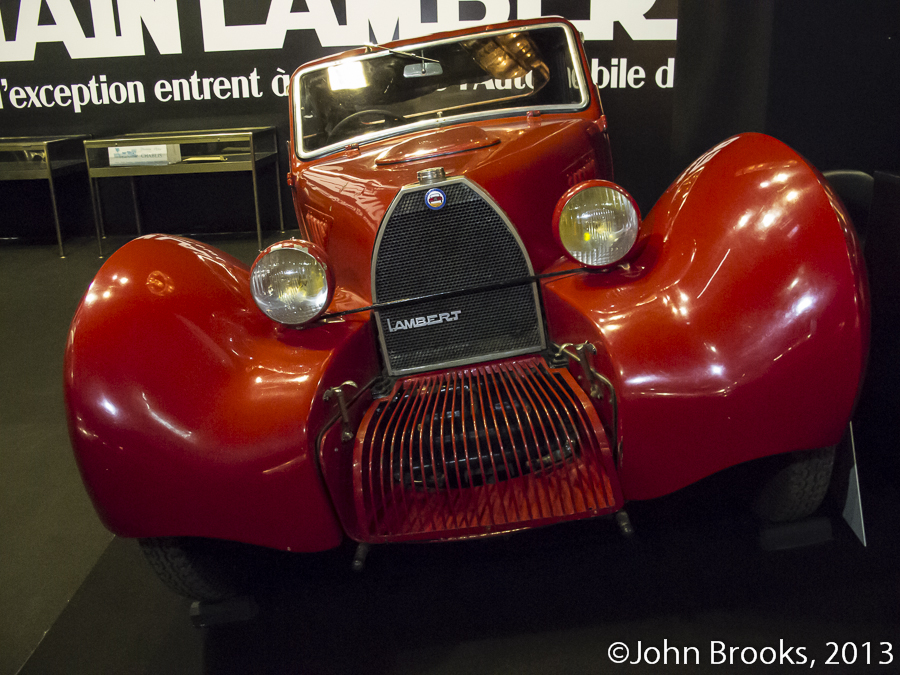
(200,569)
(797,489)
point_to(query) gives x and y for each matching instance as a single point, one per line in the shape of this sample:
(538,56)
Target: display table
(42,158)
(205,151)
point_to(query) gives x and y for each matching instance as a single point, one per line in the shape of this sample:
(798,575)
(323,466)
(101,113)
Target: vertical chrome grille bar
(554,499)
(535,466)
(434,396)
(464,497)
(408,479)
(603,488)
(407,441)
(378,459)
(481,508)
(402,412)
(580,486)
(570,449)
(376,448)
(523,427)
(541,378)
(496,377)
(488,380)
(528,383)
(500,485)
(444,447)
(599,489)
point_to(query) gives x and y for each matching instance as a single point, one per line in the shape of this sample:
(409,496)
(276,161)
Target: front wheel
(200,569)
(797,489)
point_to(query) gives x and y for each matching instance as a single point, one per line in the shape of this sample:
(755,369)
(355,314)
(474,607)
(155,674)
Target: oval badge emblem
(435,199)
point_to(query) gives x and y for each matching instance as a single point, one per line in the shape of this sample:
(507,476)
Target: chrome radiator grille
(465,244)
(478,450)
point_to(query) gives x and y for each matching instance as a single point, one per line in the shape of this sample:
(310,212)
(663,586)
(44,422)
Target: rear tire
(797,489)
(200,569)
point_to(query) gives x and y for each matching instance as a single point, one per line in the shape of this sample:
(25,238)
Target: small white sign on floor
(853,506)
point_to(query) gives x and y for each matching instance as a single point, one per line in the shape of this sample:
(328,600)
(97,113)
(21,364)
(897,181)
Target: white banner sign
(384,19)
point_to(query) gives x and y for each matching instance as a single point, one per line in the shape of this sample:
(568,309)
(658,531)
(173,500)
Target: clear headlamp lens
(598,225)
(290,285)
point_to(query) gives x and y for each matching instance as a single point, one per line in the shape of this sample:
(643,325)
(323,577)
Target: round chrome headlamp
(597,223)
(291,282)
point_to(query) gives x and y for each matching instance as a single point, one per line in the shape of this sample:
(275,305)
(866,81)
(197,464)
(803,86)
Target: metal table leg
(53,203)
(137,207)
(277,170)
(255,193)
(98,213)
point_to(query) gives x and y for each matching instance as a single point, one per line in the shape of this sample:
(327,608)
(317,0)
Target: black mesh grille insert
(462,245)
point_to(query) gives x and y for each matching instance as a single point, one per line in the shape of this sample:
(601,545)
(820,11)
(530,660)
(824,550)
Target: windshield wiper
(409,55)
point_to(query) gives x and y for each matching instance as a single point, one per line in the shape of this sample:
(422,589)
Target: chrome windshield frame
(431,123)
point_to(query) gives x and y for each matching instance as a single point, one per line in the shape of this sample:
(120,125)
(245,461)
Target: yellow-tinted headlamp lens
(598,225)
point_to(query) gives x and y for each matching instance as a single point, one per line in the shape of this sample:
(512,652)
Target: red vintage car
(478,333)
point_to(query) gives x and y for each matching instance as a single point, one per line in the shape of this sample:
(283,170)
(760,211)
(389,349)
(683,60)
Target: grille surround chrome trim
(483,194)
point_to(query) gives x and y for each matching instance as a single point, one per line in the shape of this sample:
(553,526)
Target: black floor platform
(553,601)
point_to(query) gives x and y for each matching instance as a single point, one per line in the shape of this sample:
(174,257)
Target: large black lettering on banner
(118,66)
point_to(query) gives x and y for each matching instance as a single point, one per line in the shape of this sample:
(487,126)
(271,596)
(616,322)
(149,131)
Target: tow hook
(624,523)
(346,429)
(359,558)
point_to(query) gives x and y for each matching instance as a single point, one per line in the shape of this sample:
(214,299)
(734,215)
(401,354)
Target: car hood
(525,165)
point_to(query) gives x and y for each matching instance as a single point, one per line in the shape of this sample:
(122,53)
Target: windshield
(389,90)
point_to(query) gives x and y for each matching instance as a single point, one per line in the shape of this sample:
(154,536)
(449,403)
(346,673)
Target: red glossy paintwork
(192,413)
(437,144)
(742,329)
(535,161)
(525,173)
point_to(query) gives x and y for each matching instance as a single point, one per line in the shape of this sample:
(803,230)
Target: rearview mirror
(423,69)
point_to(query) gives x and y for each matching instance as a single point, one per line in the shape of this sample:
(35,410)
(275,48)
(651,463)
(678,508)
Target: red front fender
(191,413)
(742,329)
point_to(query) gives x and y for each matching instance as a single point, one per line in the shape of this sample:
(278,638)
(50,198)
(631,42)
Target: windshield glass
(388,90)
